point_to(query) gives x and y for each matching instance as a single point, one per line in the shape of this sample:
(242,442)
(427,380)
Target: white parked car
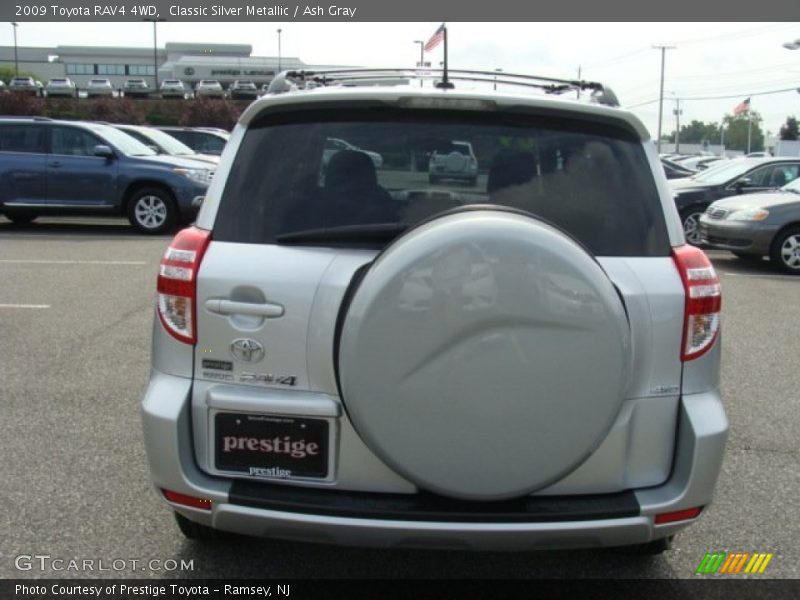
(209,88)
(173,88)
(61,86)
(136,88)
(99,87)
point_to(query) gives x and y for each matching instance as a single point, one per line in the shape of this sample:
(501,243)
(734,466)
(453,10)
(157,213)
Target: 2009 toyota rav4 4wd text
(344,353)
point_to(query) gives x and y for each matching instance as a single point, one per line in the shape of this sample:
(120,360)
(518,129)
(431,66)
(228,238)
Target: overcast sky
(710,59)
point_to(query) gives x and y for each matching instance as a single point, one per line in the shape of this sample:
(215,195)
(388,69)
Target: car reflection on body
(334,145)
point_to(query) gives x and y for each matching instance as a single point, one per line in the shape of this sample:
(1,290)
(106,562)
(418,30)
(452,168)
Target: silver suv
(343,353)
(453,161)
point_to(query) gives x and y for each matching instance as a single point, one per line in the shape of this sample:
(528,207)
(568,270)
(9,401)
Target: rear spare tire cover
(455,162)
(484,355)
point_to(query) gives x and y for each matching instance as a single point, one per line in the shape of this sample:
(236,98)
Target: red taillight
(678,515)
(703,301)
(177,283)
(185,500)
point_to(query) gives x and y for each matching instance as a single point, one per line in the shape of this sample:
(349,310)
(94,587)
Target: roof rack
(26,117)
(288,80)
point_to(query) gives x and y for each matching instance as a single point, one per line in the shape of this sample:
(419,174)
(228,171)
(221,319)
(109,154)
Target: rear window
(289,178)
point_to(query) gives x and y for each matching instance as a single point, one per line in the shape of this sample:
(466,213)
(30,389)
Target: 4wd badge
(247,350)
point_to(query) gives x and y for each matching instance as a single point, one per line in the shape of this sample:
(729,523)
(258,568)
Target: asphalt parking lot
(76,307)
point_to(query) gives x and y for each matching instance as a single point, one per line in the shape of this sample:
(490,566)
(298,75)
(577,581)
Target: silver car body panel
(311,282)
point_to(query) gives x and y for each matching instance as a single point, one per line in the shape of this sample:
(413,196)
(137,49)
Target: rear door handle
(223,306)
(55,163)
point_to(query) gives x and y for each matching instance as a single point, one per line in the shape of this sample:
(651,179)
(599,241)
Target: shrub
(16,104)
(113,110)
(210,112)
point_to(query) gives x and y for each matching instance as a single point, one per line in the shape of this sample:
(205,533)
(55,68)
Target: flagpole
(445,82)
(749,127)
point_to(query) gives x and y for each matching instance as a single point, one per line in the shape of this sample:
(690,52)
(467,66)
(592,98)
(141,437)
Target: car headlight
(197,175)
(748,214)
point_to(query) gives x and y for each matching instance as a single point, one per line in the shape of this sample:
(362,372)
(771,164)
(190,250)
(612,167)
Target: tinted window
(187,137)
(21,138)
(593,181)
(205,143)
(72,141)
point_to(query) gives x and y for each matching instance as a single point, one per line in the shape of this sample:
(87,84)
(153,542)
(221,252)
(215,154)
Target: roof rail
(26,117)
(296,79)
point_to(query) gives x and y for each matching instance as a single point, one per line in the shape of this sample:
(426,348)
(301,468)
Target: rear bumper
(747,237)
(398,520)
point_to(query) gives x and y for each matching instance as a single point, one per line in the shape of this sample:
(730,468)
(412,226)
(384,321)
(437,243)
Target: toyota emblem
(247,350)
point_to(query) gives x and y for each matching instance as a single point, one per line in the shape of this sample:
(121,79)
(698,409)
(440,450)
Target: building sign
(188,71)
(235,72)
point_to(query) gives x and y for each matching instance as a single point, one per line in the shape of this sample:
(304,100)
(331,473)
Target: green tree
(698,132)
(736,127)
(7,72)
(789,130)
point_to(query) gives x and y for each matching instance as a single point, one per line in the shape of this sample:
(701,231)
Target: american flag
(743,106)
(436,39)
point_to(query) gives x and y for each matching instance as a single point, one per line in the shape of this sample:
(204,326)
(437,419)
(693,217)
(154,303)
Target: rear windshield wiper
(372,233)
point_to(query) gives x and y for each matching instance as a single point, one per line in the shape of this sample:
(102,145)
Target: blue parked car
(50,167)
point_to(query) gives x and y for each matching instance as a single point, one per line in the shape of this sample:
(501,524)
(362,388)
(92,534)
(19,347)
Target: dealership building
(188,62)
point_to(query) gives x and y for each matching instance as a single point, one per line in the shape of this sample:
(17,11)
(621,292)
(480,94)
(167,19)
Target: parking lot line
(72,262)
(24,306)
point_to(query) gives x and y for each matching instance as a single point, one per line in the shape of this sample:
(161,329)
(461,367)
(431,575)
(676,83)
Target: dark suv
(64,168)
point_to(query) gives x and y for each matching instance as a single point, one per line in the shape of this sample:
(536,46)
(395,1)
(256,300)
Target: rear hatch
(290,239)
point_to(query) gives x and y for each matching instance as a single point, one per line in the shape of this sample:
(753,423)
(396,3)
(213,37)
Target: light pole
(495,77)
(16,61)
(663,49)
(421,63)
(279,50)
(155,48)
(677,112)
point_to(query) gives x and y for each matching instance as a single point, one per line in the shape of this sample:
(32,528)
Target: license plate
(271,446)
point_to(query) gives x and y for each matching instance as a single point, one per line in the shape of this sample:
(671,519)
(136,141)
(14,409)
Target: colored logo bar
(734,563)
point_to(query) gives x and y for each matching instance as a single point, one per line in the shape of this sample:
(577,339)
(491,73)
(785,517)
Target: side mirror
(742,183)
(103,151)
(155,149)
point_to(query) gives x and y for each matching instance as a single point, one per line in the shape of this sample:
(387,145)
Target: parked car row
(750,206)
(134,87)
(52,167)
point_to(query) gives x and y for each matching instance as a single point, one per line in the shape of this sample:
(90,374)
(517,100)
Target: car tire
(785,251)
(196,531)
(152,210)
(20,217)
(689,220)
